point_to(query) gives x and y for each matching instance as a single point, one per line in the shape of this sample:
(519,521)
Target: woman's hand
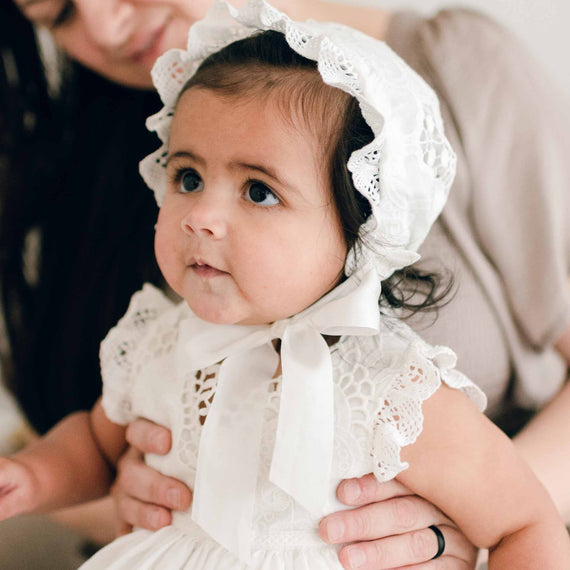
(389,528)
(19,488)
(143,496)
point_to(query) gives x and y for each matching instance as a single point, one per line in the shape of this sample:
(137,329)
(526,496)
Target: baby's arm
(468,468)
(72,463)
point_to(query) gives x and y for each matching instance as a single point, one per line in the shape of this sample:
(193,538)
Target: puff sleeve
(411,379)
(119,347)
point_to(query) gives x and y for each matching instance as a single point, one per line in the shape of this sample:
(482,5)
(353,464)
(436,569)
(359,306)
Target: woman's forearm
(544,444)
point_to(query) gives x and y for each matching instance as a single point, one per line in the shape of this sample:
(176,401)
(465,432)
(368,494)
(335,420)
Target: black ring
(440,541)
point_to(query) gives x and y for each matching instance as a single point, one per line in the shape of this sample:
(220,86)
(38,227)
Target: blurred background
(544,25)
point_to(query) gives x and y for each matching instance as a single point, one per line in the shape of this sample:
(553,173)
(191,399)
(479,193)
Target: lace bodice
(380,383)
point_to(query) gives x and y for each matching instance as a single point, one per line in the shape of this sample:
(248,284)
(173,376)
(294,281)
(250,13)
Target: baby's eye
(190,181)
(260,194)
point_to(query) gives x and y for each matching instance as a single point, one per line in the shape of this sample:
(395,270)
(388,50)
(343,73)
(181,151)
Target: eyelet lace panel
(197,397)
(120,344)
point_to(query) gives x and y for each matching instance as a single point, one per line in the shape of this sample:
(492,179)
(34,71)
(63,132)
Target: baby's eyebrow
(267,170)
(185,154)
(270,172)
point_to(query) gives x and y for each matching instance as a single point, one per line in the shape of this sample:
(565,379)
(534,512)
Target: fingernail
(160,444)
(351,491)
(174,498)
(335,530)
(356,557)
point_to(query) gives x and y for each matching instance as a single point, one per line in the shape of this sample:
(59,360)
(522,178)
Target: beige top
(504,232)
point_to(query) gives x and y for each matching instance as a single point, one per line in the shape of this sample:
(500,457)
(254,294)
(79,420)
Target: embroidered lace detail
(120,344)
(197,397)
(436,149)
(399,420)
(354,388)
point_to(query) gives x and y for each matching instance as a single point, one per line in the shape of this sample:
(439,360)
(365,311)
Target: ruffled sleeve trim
(118,348)
(399,421)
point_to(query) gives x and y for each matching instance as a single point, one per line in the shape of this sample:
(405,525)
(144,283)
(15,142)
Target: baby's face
(248,231)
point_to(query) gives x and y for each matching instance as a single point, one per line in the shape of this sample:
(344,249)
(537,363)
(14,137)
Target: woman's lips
(151,48)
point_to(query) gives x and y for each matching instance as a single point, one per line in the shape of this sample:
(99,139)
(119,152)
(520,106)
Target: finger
(131,454)
(443,563)
(140,482)
(367,489)
(393,516)
(11,503)
(16,489)
(122,527)
(139,514)
(407,550)
(148,437)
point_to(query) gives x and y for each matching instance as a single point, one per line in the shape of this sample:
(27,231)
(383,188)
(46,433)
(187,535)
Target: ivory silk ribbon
(229,452)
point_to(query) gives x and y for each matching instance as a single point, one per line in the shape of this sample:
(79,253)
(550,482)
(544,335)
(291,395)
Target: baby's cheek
(158,242)
(164,248)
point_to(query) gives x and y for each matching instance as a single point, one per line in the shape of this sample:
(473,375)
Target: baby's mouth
(206,271)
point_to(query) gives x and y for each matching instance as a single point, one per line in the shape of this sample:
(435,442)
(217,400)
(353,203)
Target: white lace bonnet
(405,172)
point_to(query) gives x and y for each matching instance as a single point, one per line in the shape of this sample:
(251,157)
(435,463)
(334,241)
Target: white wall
(544,25)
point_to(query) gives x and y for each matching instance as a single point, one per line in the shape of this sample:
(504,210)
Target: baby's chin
(227,316)
(219,315)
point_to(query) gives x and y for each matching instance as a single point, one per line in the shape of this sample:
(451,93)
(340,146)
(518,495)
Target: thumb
(367,489)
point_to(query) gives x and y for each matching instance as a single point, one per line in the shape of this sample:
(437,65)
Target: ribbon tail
(228,457)
(303,452)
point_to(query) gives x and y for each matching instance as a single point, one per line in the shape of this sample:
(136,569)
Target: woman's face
(119,39)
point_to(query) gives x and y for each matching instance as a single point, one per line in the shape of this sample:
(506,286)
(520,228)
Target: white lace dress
(379,384)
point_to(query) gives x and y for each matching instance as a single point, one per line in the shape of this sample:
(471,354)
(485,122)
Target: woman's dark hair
(265,62)
(68,176)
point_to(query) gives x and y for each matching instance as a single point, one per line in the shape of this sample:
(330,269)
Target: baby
(302,166)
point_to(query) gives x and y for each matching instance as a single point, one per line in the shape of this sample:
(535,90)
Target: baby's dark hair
(265,65)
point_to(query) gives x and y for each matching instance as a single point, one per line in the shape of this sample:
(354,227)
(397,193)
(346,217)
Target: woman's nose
(205,217)
(109,23)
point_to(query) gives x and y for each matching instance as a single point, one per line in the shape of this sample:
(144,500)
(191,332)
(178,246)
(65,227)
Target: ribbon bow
(229,453)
